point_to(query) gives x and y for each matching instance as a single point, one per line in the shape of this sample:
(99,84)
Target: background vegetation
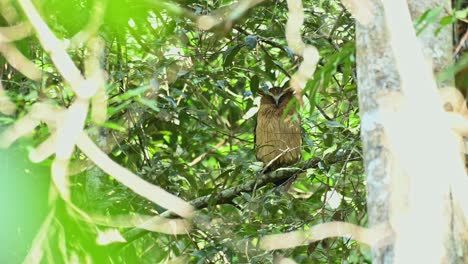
(181,115)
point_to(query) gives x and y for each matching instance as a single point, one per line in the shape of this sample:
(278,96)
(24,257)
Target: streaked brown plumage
(277,136)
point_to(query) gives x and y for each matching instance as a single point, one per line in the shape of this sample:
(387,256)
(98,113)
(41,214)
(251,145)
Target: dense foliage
(181,115)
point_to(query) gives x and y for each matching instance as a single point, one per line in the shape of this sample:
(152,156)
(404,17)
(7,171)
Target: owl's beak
(277,99)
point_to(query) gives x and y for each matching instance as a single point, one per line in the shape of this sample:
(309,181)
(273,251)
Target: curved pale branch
(210,21)
(150,223)
(151,192)
(19,61)
(7,107)
(52,45)
(15,33)
(226,196)
(308,52)
(374,237)
(362,10)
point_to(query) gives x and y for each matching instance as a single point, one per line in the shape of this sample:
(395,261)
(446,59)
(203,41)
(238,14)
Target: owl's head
(276,95)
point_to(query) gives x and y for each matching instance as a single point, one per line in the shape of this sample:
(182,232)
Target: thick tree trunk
(377,77)
(376,71)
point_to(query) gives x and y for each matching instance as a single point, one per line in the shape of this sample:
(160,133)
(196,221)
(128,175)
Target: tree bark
(377,77)
(376,71)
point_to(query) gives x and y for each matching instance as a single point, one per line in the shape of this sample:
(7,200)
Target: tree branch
(229,194)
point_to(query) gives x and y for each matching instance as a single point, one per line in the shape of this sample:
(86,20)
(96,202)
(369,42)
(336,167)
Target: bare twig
(202,156)
(462,42)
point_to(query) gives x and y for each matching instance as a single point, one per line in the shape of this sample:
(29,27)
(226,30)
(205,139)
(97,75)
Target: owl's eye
(271,99)
(281,99)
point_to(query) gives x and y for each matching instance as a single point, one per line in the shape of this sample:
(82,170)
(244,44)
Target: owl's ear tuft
(288,89)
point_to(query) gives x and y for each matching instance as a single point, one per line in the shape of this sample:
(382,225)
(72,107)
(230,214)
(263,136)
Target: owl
(278,138)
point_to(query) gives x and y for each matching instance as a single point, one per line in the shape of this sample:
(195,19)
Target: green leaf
(309,142)
(329,150)
(311,91)
(288,51)
(254,83)
(447,20)
(229,55)
(115,109)
(333,123)
(461,14)
(5,120)
(149,103)
(130,94)
(246,196)
(427,18)
(328,139)
(450,71)
(113,126)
